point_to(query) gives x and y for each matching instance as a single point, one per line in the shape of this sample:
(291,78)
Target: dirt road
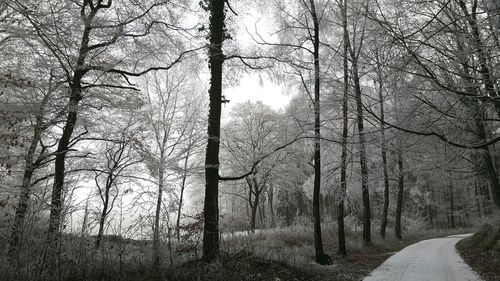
(428,260)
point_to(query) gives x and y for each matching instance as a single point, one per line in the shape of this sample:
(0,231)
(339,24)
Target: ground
(428,260)
(273,254)
(247,265)
(482,251)
(244,266)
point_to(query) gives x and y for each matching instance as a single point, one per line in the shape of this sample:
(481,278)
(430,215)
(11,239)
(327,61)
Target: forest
(123,155)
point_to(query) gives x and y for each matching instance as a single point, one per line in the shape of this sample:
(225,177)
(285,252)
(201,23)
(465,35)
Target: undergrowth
(289,251)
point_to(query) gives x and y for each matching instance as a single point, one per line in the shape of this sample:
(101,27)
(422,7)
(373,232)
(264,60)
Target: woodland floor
(244,266)
(482,252)
(487,264)
(272,255)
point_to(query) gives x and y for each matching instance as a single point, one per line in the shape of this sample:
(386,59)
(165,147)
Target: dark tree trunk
(102,219)
(492,176)
(23,201)
(318,240)
(156,226)
(56,206)
(478,204)
(367,241)
(216,59)
(254,203)
(429,212)
(399,205)
(484,68)
(270,196)
(345,131)
(262,211)
(56,203)
(452,206)
(385,209)
(477,112)
(254,215)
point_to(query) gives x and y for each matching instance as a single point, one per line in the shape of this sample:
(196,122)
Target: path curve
(428,260)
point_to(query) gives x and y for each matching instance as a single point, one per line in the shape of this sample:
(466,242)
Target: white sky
(253,88)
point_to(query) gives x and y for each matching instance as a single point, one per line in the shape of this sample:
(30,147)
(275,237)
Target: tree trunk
(399,205)
(253,218)
(254,204)
(318,240)
(345,131)
(429,212)
(23,201)
(479,114)
(484,68)
(181,198)
(270,196)
(385,209)
(262,212)
(156,227)
(478,204)
(56,203)
(452,206)
(362,154)
(216,59)
(102,219)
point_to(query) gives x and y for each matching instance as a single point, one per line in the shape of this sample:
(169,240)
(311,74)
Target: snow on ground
(428,260)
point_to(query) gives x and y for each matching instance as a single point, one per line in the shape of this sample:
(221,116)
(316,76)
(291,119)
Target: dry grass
(285,253)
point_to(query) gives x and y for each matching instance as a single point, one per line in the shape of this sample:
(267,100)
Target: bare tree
(119,159)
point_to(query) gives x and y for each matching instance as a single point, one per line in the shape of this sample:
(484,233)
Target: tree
(119,159)
(458,56)
(252,133)
(301,39)
(34,158)
(379,81)
(91,58)
(355,52)
(167,115)
(217,36)
(191,147)
(345,131)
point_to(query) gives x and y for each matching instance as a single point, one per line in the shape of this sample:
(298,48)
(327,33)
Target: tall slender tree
(355,52)
(345,132)
(217,35)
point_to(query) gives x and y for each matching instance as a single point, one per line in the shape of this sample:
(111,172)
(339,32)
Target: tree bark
(23,201)
(252,190)
(181,198)
(385,209)
(345,131)
(362,154)
(452,206)
(270,196)
(484,68)
(102,219)
(211,250)
(479,114)
(56,206)
(399,205)
(156,228)
(318,240)
(429,212)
